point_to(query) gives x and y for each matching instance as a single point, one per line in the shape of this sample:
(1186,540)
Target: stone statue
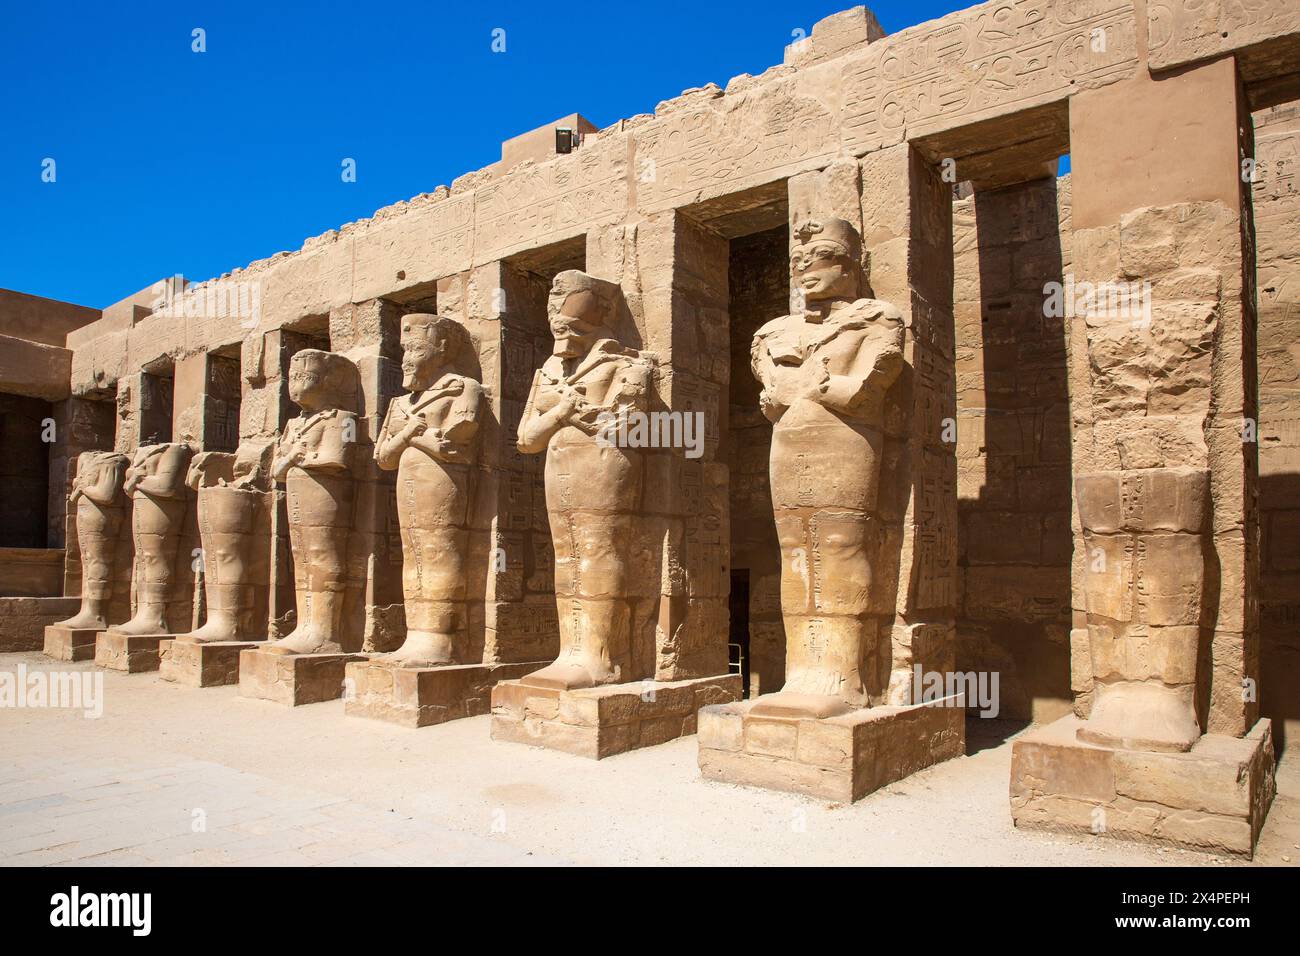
(156,483)
(229,495)
(593,483)
(824,373)
(1145,534)
(314,460)
(97,496)
(429,436)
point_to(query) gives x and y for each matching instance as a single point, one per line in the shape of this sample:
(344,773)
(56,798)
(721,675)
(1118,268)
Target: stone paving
(173,775)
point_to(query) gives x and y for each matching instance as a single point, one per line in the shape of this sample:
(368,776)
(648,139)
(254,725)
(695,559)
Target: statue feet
(85,620)
(422,649)
(217,628)
(305,640)
(146,623)
(1142,716)
(810,693)
(573,672)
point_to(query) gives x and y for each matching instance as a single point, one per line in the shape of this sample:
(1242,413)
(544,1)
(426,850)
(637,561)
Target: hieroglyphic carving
(555,200)
(1183,31)
(737,140)
(996,58)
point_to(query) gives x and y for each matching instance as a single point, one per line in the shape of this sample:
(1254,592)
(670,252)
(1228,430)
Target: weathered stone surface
(25,620)
(292,679)
(1213,798)
(599,722)
(841,758)
(70,644)
(184,660)
(414,696)
(133,653)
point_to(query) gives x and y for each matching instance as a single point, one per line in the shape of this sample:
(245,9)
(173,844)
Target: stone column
(906,211)
(1162,316)
(1163,362)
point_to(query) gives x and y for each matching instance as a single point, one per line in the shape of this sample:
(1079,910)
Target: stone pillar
(906,211)
(368,334)
(206,401)
(1162,317)
(674,277)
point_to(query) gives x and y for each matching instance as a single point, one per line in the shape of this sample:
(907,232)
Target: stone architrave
(824,372)
(314,460)
(583,401)
(100,505)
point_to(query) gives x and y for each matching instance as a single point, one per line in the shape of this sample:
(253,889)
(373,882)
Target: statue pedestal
(602,721)
(1212,798)
(70,643)
(840,758)
(292,679)
(422,696)
(194,664)
(132,653)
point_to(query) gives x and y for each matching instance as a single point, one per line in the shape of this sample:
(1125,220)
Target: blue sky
(170,161)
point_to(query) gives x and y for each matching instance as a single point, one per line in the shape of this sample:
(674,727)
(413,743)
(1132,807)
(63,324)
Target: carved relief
(430,438)
(314,460)
(824,373)
(230,493)
(593,485)
(98,499)
(155,481)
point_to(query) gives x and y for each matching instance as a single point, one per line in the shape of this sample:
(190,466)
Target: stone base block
(599,722)
(70,643)
(293,679)
(133,653)
(194,664)
(841,758)
(422,696)
(23,620)
(1212,798)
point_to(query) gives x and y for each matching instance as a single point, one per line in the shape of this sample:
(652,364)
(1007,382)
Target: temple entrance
(25,442)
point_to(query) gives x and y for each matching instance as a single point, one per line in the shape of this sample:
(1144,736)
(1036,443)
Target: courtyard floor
(176,775)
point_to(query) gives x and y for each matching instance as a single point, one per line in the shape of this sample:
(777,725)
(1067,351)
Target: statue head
(430,344)
(581,310)
(826,260)
(320,380)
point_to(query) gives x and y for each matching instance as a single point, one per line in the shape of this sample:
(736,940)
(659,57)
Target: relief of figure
(156,483)
(314,460)
(1144,577)
(230,496)
(824,373)
(593,484)
(430,437)
(98,499)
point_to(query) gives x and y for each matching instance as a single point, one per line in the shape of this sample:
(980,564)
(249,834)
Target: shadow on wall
(1013,451)
(1279,612)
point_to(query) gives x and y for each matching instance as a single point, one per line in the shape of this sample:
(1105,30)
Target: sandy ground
(311,785)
